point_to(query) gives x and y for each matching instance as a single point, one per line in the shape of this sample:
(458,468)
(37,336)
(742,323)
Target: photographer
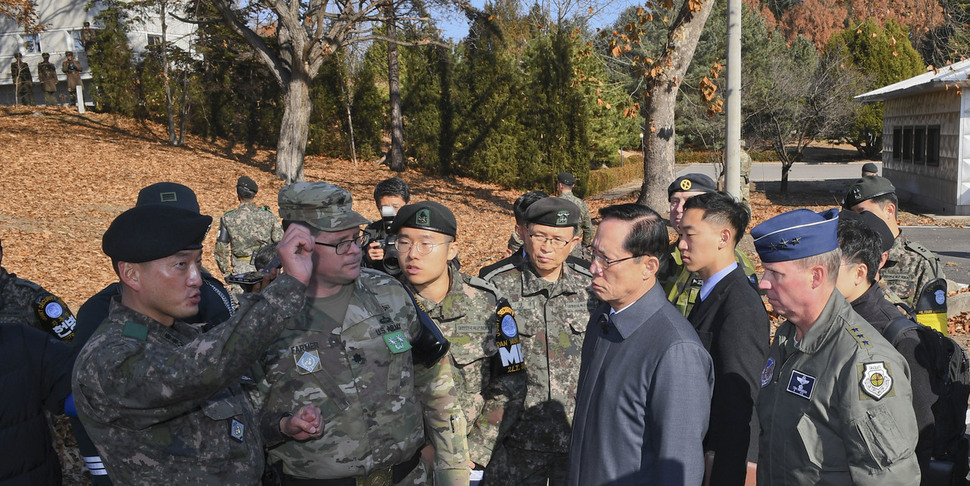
(389,195)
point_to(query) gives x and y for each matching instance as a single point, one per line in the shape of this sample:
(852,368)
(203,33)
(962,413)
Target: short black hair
(649,233)
(523,202)
(885,199)
(860,244)
(722,208)
(395,186)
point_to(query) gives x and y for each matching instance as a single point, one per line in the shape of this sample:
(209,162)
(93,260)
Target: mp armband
(56,318)
(509,358)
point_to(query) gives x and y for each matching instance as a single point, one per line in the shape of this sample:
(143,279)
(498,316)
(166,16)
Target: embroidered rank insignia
(875,380)
(396,342)
(236,429)
(801,384)
(308,362)
(767,372)
(562,217)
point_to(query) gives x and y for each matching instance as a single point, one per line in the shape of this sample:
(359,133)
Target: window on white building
(933,146)
(154,40)
(76,41)
(31,43)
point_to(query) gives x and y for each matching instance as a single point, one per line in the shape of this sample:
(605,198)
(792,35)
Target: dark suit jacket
(733,325)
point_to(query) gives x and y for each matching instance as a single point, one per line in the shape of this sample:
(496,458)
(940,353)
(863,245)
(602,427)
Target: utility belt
(381,477)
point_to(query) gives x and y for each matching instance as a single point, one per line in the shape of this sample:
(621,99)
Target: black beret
(874,223)
(553,211)
(426,215)
(867,188)
(168,193)
(566,178)
(152,231)
(870,168)
(246,184)
(691,183)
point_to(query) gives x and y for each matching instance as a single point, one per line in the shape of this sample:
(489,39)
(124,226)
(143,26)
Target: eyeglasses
(342,247)
(556,243)
(424,247)
(601,260)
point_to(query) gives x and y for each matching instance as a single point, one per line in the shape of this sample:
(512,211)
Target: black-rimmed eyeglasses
(342,247)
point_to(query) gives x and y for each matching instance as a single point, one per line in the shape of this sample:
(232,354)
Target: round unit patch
(876,381)
(53,310)
(509,328)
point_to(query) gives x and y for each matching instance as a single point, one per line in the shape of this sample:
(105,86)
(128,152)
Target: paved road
(801,171)
(952,245)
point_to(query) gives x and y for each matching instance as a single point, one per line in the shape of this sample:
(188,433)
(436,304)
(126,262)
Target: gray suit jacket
(644,398)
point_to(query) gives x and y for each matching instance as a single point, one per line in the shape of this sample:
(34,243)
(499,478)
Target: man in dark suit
(731,321)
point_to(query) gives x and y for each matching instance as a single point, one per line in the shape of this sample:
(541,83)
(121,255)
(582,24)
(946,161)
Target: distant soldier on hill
(244,229)
(20,75)
(48,77)
(72,68)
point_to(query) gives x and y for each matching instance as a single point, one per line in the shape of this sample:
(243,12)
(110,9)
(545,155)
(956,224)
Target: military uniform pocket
(880,441)
(822,446)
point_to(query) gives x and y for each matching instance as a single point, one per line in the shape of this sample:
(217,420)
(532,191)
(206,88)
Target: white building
(63,20)
(926,137)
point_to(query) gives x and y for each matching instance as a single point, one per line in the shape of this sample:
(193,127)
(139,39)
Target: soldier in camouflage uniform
(681,285)
(243,230)
(162,400)
(564,186)
(909,266)
(354,350)
(553,305)
(27,303)
(465,309)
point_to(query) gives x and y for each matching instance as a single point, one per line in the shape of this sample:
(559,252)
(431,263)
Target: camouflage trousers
(512,466)
(420,476)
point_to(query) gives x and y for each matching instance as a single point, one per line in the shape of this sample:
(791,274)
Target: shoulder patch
(135,330)
(875,380)
(504,268)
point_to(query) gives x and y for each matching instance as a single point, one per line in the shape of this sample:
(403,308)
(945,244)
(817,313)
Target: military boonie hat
(152,231)
(426,215)
(553,211)
(321,205)
(691,183)
(796,234)
(168,193)
(867,188)
(566,178)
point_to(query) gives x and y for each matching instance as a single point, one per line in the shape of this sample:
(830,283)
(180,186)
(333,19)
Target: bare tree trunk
(168,85)
(395,156)
(294,129)
(660,99)
(345,91)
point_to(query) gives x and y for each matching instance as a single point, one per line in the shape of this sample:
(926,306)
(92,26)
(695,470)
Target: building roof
(954,75)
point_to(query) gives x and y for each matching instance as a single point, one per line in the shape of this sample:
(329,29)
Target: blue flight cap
(796,234)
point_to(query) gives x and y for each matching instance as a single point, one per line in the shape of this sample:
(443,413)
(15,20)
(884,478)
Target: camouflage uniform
(244,230)
(586,222)
(683,286)
(373,401)
(467,319)
(915,267)
(552,320)
(27,303)
(164,405)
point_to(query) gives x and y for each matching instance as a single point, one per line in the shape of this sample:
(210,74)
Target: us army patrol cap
(796,234)
(867,188)
(152,231)
(246,187)
(553,211)
(566,178)
(426,215)
(691,183)
(169,193)
(324,206)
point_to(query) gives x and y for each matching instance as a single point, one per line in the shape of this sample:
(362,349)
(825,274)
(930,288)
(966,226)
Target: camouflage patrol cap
(691,183)
(323,206)
(152,231)
(553,211)
(867,188)
(426,215)
(169,193)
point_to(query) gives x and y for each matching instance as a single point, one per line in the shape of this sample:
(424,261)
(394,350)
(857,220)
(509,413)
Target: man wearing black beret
(467,310)
(553,303)
(162,400)
(915,265)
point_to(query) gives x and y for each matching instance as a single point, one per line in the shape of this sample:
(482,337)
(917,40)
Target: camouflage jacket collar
(446,309)
(569,282)
(179,334)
